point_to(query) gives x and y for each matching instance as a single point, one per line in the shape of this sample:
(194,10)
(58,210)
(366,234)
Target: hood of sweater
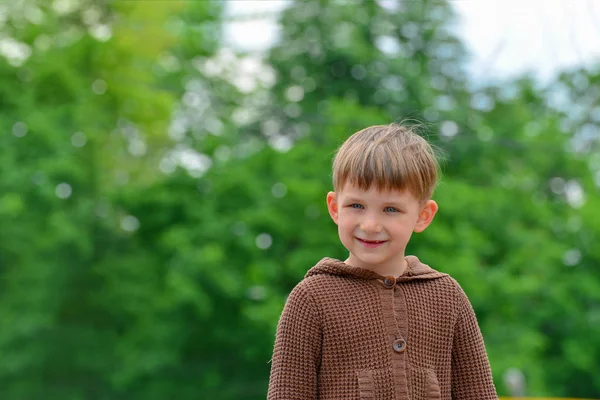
(415,270)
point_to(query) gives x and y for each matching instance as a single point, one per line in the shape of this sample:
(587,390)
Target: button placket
(399,344)
(395,319)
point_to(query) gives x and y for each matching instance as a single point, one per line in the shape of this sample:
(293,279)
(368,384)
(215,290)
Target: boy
(380,325)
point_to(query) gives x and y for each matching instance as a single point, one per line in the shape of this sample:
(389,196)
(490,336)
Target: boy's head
(388,157)
(383,178)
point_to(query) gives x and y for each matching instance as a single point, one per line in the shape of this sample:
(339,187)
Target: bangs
(387,163)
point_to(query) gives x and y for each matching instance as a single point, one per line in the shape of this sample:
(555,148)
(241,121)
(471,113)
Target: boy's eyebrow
(394,204)
(352,198)
(399,204)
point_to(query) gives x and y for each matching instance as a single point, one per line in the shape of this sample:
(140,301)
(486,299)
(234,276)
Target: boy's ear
(426,215)
(332,206)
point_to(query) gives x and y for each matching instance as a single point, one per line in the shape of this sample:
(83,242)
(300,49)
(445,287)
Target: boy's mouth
(371,243)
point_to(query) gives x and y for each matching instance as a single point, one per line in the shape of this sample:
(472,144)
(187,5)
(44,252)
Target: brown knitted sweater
(349,333)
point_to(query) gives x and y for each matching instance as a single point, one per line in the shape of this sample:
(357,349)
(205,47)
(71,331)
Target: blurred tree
(401,58)
(87,92)
(515,222)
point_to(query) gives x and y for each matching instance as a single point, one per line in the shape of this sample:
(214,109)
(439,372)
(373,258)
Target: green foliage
(85,117)
(129,271)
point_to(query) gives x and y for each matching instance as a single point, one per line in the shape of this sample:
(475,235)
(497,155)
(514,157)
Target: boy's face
(375,226)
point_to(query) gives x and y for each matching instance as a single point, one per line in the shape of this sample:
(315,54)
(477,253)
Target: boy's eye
(356,205)
(390,209)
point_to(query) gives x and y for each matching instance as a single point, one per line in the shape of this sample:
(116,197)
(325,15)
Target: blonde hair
(389,157)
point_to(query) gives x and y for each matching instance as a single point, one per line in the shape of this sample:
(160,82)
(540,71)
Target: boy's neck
(388,270)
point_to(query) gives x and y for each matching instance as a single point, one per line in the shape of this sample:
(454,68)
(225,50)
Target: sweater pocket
(375,384)
(424,384)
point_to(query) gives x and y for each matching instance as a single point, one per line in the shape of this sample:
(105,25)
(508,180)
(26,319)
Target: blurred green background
(161,193)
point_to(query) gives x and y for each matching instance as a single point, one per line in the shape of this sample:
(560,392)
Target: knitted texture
(348,333)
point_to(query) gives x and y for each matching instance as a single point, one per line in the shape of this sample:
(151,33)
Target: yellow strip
(538,398)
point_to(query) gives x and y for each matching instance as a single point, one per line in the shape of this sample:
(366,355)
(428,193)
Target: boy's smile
(371,244)
(375,226)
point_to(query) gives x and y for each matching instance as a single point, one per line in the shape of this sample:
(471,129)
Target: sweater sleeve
(471,373)
(297,352)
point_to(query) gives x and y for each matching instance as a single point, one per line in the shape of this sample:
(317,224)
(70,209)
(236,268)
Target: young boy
(380,325)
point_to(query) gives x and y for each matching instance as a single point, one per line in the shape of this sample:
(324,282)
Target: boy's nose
(370,225)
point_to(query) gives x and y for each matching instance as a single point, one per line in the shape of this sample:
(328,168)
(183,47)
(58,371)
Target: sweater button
(399,345)
(389,282)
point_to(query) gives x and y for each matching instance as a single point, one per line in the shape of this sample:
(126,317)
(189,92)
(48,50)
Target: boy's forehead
(352,190)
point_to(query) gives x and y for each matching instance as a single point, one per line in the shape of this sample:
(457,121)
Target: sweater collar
(416,270)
